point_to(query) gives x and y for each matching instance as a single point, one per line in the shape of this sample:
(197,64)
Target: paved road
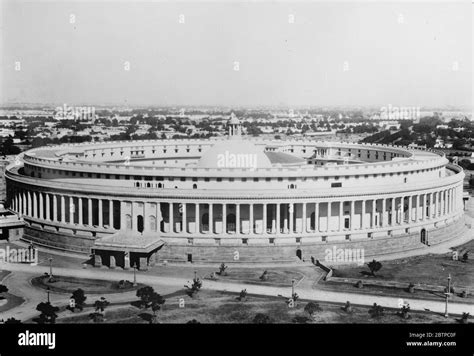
(173,283)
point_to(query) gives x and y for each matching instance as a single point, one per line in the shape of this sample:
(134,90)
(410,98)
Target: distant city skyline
(287,54)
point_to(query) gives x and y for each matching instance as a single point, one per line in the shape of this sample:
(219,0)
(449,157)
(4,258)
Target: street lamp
(448,292)
(47,292)
(135,274)
(292,287)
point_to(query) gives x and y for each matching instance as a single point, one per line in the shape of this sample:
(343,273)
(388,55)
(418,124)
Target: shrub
(312,308)
(262,319)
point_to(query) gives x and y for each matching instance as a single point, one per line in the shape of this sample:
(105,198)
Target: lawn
(426,269)
(276,277)
(89,286)
(222,307)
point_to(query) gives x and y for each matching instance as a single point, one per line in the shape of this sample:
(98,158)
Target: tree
(374,266)
(145,294)
(48,312)
(405,312)
(264,276)
(3,289)
(312,308)
(222,269)
(243,295)
(99,305)
(465,318)
(376,311)
(262,319)
(194,287)
(79,299)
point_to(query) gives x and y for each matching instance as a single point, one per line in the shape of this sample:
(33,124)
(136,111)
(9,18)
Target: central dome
(234,154)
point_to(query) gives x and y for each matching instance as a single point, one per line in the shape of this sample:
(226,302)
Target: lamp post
(135,274)
(448,292)
(292,287)
(47,292)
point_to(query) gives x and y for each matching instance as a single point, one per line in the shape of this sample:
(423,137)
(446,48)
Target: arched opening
(231,222)
(423,237)
(160,185)
(299,254)
(195,186)
(140,223)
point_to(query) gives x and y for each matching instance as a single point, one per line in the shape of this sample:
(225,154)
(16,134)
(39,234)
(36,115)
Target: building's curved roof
(284,158)
(234,154)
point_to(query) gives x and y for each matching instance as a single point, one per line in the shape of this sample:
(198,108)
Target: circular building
(233,199)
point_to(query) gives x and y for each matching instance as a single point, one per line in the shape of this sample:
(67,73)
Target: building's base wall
(285,250)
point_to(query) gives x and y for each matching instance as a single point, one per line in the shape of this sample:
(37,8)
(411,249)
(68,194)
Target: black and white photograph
(218,168)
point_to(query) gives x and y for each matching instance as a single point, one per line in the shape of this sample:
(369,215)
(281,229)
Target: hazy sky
(365,53)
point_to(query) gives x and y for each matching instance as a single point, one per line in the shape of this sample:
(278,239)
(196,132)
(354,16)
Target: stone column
(224,218)
(111,214)
(41,209)
(25,203)
(101,213)
(237,218)
(278,218)
(63,209)
(171,218)
(80,217)
(55,207)
(341,215)
(424,207)
(251,218)
(374,206)
(291,208)
(383,220)
(211,218)
(444,202)
(89,212)
(35,205)
(197,219)
(316,217)
(430,206)
(264,217)
(184,225)
(48,217)
(351,222)
(304,218)
(362,218)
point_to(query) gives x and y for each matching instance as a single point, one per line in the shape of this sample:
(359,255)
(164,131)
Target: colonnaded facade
(233,199)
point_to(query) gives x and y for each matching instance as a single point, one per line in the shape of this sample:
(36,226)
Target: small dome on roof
(233,120)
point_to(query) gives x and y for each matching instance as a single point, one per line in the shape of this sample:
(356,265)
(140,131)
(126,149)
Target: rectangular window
(336,185)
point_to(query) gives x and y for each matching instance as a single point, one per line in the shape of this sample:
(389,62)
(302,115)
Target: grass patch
(222,308)
(89,286)
(427,269)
